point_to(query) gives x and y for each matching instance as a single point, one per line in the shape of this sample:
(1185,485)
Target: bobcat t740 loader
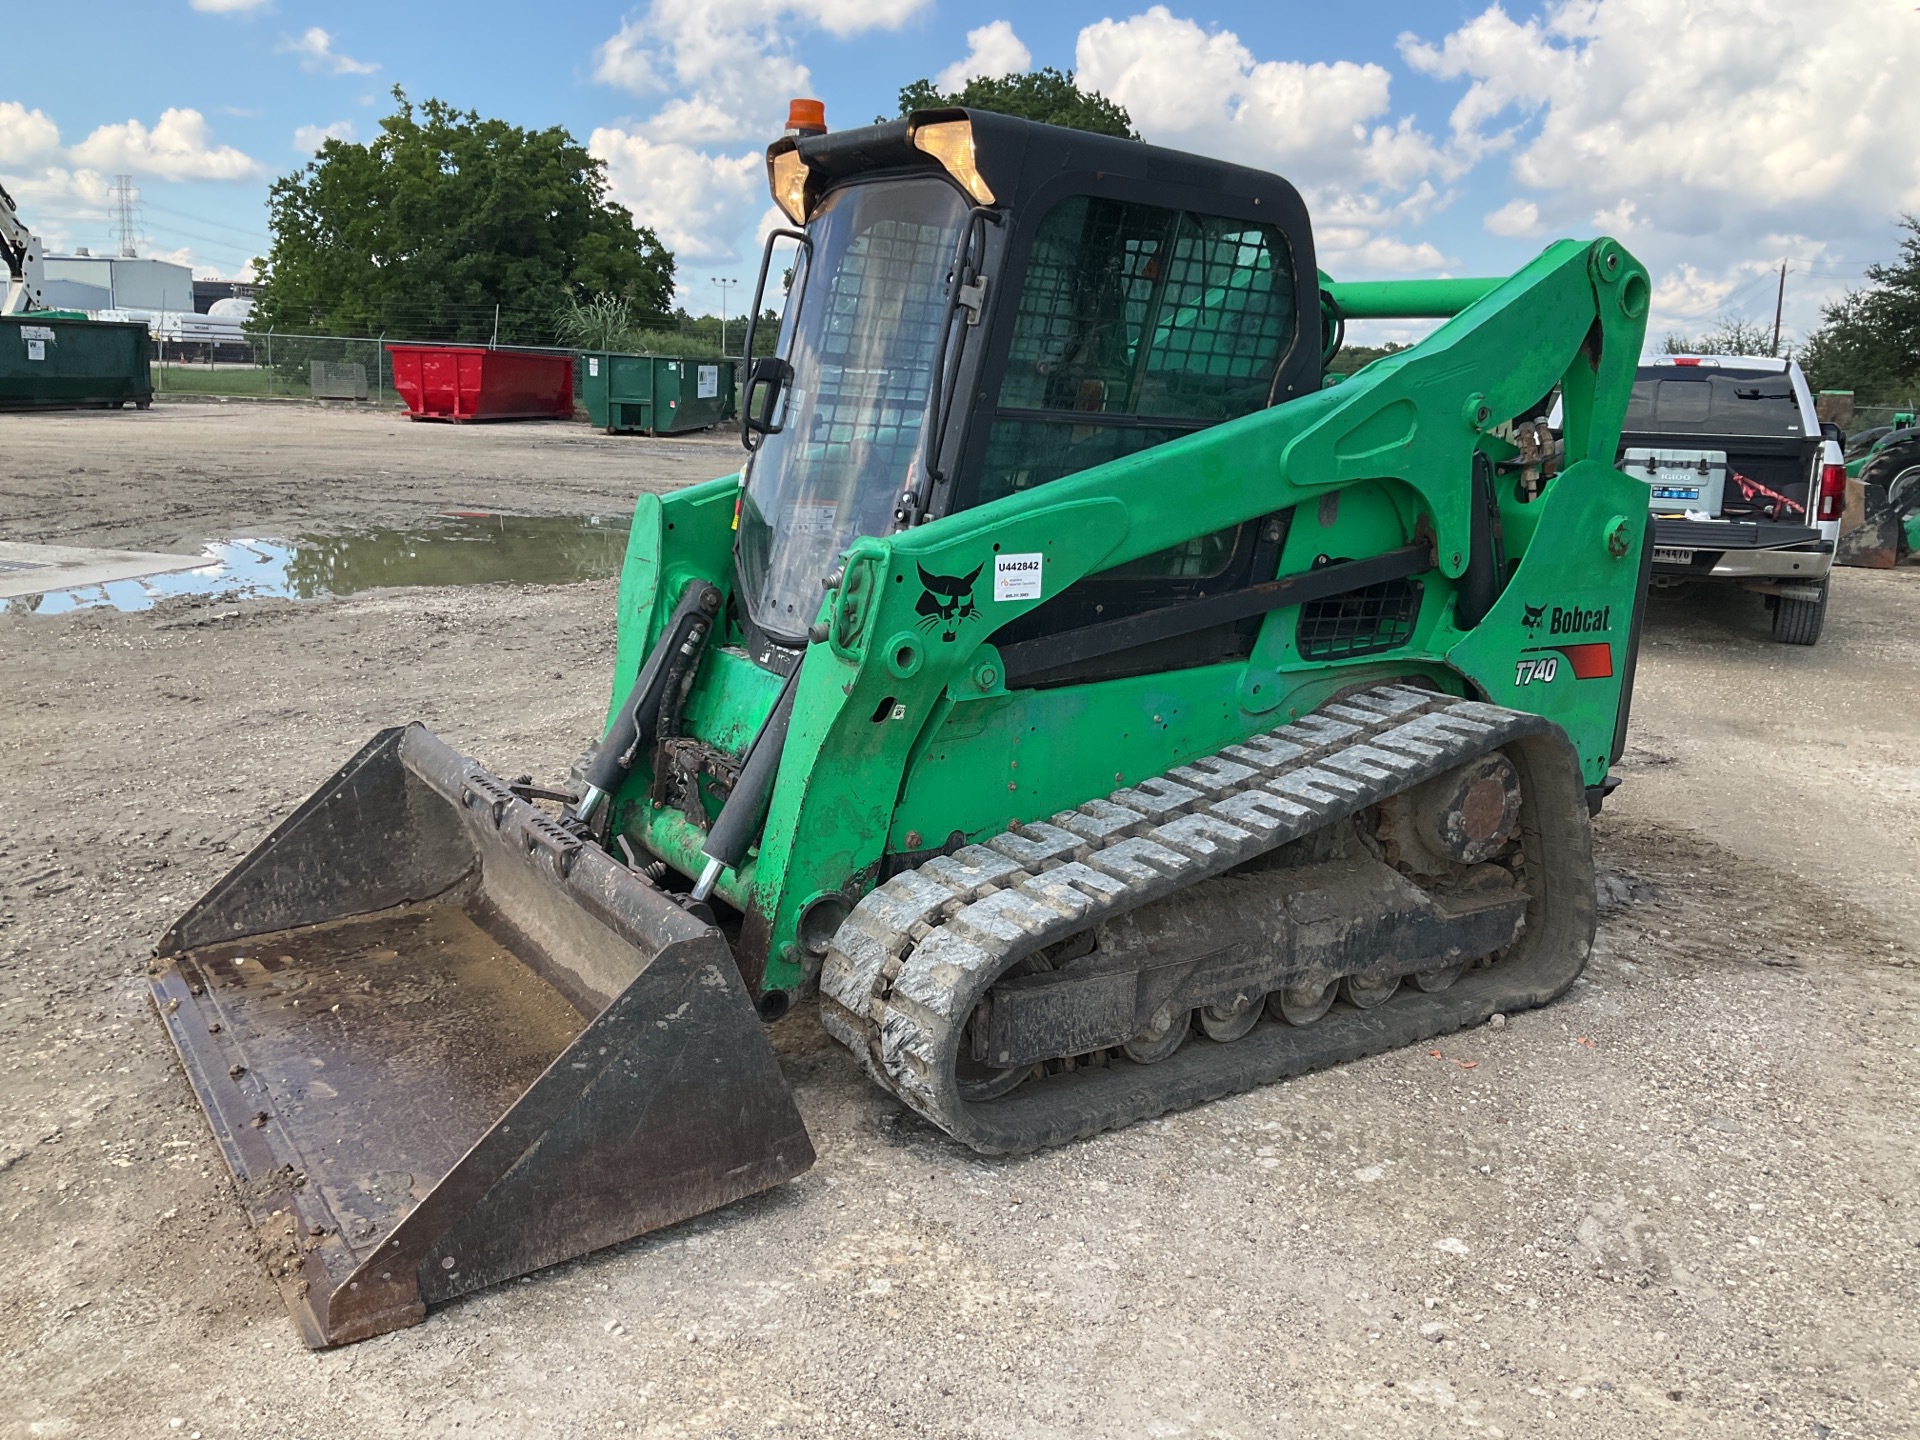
(1087,703)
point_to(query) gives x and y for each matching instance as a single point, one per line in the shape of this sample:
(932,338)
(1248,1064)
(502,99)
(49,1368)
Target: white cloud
(228,7)
(1713,136)
(179,147)
(1691,297)
(1509,69)
(202,269)
(179,255)
(54,192)
(722,75)
(65,194)
(26,135)
(1355,248)
(729,68)
(1685,294)
(316,52)
(1208,92)
(992,51)
(1711,120)
(1516,217)
(698,204)
(1327,126)
(63,207)
(1615,220)
(309,138)
(625,61)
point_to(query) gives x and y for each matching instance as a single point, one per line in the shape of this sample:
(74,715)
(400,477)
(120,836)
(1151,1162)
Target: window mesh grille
(1136,311)
(1360,622)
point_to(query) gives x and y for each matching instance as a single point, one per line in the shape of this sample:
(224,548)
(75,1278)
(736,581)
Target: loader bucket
(442,1042)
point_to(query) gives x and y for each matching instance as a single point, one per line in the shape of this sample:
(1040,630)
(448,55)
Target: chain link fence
(1866,416)
(356,369)
(279,366)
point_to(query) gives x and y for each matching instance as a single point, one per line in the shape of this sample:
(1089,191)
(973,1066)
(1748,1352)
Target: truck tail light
(1833,491)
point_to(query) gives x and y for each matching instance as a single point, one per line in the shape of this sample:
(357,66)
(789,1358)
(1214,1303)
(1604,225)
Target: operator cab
(979,305)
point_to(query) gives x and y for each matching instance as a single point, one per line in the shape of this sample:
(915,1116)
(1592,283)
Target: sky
(1715,138)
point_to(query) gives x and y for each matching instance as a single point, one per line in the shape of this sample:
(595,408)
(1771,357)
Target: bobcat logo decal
(1534,615)
(947,600)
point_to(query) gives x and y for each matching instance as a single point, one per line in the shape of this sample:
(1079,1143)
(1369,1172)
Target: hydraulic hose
(671,660)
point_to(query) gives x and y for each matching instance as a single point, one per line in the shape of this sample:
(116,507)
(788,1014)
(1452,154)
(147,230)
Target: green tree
(604,323)
(1729,336)
(1869,339)
(1047,95)
(445,216)
(1352,359)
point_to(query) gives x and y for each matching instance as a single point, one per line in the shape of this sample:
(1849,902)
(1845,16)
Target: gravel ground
(1681,1202)
(177,475)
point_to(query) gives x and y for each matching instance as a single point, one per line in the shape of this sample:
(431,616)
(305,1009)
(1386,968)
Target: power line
(229,246)
(1725,302)
(207,220)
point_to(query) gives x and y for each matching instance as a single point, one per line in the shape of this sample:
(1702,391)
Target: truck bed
(1730,535)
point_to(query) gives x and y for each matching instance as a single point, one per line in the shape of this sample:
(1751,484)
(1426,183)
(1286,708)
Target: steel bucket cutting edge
(442,1042)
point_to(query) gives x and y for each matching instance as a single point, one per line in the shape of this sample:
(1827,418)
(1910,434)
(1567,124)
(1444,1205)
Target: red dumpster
(460,382)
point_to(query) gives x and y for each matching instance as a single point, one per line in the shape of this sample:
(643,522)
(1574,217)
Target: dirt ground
(181,474)
(1681,1202)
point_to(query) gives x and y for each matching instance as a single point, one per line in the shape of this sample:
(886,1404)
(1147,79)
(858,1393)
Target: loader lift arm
(20,248)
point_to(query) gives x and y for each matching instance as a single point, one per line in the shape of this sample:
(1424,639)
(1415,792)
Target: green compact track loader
(1087,704)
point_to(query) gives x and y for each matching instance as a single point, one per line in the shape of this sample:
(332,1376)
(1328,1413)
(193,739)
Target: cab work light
(951,143)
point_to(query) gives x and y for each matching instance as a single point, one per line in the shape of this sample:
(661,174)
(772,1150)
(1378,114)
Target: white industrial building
(116,282)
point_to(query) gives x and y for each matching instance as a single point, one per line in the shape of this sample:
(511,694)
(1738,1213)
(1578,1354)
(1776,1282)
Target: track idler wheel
(1227,1023)
(1304,1005)
(1432,982)
(1367,992)
(1160,1039)
(1464,817)
(978,1081)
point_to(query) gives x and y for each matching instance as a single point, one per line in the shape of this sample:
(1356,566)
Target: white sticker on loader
(593,365)
(36,349)
(707,382)
(1017,577)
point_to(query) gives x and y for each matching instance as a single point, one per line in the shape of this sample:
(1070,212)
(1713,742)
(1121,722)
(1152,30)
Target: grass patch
(252,382)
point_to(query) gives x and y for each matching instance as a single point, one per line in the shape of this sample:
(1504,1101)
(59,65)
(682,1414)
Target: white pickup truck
(1745,487)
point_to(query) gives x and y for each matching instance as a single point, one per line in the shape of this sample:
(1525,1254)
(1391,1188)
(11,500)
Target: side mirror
(763,406)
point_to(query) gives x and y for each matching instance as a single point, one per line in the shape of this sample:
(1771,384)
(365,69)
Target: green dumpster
(655,394)
(58,359)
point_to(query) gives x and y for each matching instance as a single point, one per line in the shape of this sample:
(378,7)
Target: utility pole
(1779,302)
(723,284)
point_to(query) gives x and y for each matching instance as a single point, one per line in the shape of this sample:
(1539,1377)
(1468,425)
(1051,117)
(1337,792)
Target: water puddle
(459,549)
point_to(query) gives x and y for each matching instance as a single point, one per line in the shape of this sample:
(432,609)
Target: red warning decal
(1593,661)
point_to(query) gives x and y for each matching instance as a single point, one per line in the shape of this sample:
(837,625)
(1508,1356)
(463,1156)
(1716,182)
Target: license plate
(1664,556)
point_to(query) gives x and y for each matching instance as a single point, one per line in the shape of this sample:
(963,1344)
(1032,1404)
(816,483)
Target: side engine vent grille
(1359,622)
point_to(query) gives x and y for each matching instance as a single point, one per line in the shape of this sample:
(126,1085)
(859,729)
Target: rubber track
(908,967)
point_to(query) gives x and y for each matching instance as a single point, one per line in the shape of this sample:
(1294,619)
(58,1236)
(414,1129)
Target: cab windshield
(861,328)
